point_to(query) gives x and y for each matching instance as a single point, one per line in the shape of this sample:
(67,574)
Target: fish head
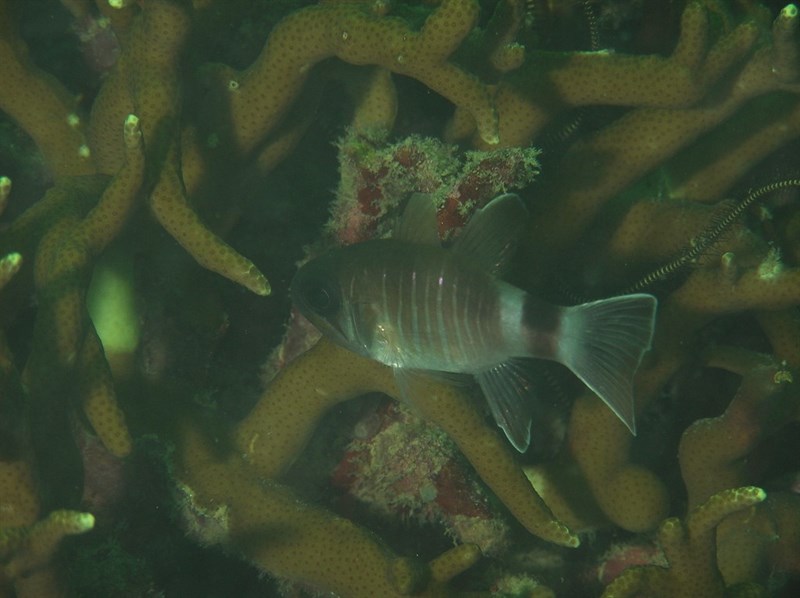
(316,291)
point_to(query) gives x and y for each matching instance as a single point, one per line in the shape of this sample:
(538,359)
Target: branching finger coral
(209,140)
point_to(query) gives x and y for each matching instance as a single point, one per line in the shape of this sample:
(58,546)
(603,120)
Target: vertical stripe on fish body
(426,308)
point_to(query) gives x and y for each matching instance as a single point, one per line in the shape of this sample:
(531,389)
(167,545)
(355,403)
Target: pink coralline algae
(400,466)
(99,44)
(377,176)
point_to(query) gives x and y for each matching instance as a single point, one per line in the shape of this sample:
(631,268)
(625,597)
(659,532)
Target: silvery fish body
(416,306)
(424,308)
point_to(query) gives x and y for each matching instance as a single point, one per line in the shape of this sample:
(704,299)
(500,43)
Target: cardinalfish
(418,307)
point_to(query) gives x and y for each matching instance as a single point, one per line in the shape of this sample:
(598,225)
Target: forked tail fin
(603,342)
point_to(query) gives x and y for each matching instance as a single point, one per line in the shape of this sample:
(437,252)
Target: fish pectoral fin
(491,236)
(451,378)
(508,393)
(603,343)
(409,380)
(418,224)
(410,383)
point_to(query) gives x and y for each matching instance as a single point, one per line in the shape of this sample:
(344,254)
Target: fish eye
(321,297)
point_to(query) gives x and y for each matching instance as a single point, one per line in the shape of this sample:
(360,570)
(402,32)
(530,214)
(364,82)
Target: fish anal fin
(508,394)
(410,381)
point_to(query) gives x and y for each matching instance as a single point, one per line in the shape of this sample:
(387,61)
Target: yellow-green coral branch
(713,452)
(290,539)
(639,141)
(105,221)
(24,549)
(551,82)
(630,495)
(356,32)
(99,401)
(5,191)
(277,429)
(9,265)
(147,76)
(172,210)
(690,551)
(40,105)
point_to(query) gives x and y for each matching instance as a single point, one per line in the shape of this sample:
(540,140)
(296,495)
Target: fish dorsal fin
(418,222)
(491,236)
(508,392)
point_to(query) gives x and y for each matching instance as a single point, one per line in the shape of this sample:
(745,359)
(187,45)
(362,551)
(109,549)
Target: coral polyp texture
(159,159)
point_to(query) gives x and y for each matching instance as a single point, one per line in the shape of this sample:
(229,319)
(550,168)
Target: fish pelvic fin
(603,343)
